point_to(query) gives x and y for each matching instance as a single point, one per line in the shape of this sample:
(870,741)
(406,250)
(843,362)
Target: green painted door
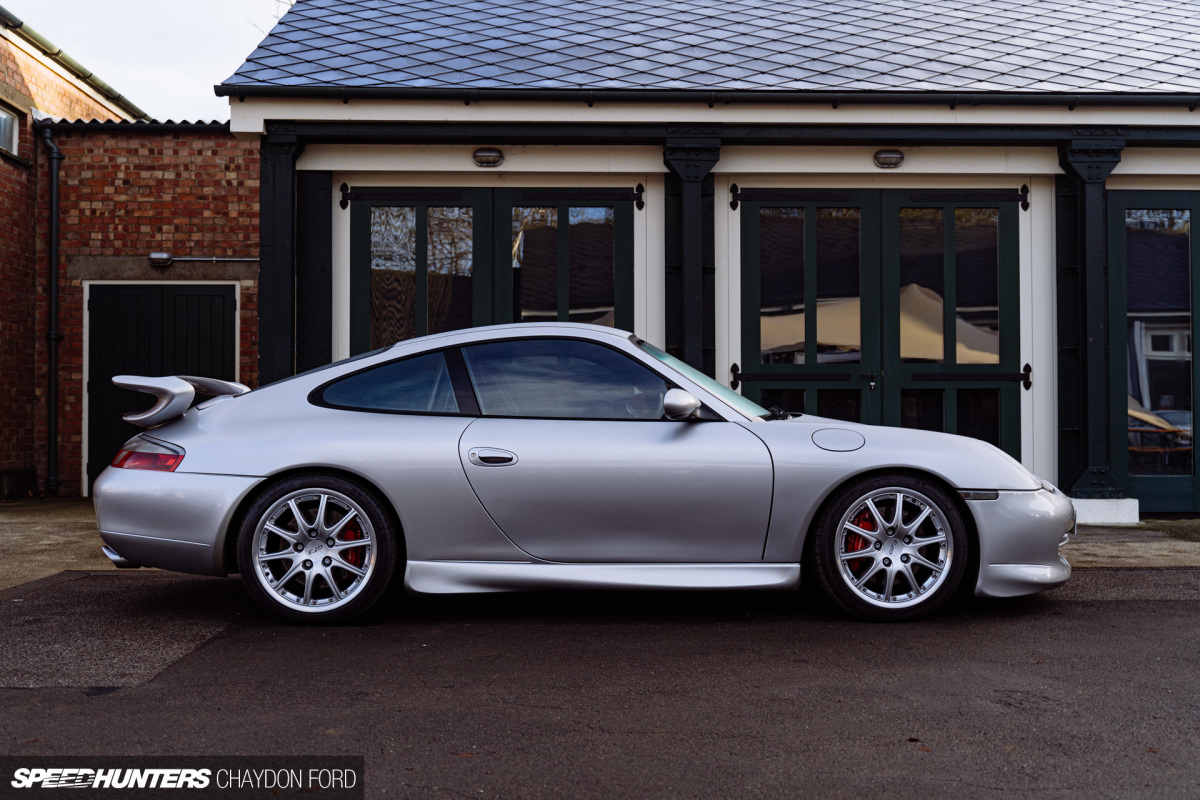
(1151,293)
(881,344)
(425,261)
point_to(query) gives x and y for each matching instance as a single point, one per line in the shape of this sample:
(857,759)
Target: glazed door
(1153,283)
(882,345)
(424,261)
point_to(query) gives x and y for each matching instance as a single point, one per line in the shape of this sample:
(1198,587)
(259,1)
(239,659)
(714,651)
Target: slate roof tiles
(735,45)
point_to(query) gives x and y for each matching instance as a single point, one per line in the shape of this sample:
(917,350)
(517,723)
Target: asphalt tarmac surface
(1092,690)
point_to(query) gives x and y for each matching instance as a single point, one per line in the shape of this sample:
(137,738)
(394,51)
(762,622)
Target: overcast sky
(164,55)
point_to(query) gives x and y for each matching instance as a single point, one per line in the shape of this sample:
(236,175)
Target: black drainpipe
(54,336)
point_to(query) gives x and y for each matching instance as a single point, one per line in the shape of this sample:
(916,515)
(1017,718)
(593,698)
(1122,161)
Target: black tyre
(317,549)
(890,548)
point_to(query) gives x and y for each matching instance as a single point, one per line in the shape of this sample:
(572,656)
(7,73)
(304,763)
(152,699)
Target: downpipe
(53,336)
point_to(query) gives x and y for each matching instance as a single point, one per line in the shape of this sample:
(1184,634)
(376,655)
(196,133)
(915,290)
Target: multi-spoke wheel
(891,548)
(316,548)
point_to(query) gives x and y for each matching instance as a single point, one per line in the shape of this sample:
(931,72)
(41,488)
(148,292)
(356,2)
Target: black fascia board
(713,98)
(500,133)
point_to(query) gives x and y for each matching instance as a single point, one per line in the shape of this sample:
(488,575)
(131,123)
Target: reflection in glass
(590,266)
(790,400)
(977,285)
(921,286)
(450,251)
(393,274)
(1159,348)
(979,414)
(535,264)
(843,404)
(781,288)
(839,335)
(923,409)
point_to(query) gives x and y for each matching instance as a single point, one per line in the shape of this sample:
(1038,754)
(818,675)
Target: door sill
(459,577)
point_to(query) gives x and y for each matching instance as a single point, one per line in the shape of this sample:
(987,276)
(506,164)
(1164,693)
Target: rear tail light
(140,453)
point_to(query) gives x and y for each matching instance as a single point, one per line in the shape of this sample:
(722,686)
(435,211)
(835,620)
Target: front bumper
(1019,537)
(172,520)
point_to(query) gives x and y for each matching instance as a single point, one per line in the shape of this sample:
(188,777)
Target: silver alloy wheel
(894,547)
(314,550)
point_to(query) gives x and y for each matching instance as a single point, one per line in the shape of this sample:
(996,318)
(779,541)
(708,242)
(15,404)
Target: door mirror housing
(680,405)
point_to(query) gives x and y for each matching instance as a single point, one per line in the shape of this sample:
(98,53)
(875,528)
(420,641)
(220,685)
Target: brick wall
(51,93)
(124,194)
(25,82)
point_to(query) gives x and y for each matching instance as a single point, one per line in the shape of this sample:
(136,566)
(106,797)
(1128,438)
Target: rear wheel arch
(229,545)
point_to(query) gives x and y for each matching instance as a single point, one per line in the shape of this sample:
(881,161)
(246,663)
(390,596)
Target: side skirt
(458,577)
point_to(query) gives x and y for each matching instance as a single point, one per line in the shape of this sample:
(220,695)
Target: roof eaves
(1070,99)
(56,54)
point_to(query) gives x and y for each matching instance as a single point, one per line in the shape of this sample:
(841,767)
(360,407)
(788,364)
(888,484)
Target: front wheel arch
(970,576)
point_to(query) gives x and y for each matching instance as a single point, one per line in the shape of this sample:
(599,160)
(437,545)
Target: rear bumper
(1019,537)
(173,520)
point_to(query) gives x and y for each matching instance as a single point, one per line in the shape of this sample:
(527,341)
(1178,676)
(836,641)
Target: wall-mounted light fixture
(888,159)
(162,260)
(488,157)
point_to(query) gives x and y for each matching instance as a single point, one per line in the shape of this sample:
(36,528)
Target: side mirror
(679,405)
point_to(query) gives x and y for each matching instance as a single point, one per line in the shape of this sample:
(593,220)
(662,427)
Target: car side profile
(552,456)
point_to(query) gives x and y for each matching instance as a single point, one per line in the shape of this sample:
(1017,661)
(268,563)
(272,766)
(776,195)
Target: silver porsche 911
(550,456)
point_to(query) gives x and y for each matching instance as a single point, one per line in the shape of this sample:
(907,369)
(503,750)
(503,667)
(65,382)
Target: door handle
(870,376)
(491,457)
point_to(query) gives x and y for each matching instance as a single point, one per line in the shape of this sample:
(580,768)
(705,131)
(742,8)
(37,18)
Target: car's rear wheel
(317,548)
(891,547)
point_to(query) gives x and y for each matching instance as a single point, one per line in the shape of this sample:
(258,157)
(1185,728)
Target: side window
(562,378)
(416,385)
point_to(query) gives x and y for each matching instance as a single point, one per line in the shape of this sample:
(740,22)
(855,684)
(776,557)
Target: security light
(488,157)
(888,159)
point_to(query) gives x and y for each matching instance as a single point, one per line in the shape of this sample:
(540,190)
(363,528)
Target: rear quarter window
(415,385)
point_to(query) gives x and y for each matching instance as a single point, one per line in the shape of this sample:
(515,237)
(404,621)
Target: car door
(575,462)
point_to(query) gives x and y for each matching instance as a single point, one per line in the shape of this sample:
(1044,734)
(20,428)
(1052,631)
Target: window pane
(923,409)
(450,251)
(839,339)
(562,378)
(590,266)
(8,130)
(843,404)
(921,287)
(781,287)
(977,285)
(1159,306)
(412,384)
(535,264)
(979,414)
(393,274)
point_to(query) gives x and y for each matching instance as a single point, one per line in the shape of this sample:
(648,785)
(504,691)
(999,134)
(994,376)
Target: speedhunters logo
(244,777)
(67,778)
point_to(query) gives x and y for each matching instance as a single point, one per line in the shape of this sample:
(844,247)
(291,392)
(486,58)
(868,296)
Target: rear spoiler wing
(175,395)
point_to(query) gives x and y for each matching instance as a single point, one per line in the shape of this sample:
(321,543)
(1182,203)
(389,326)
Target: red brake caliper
(856,542)
(353,556)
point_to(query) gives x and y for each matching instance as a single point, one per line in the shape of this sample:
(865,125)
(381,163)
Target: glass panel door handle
(491,457)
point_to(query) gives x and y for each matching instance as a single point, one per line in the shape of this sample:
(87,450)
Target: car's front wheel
(891,547)
(317,548)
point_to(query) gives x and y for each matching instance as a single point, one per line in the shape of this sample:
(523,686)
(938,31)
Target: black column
(276,255)
(690,153)
(1088,160)
(314,272)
